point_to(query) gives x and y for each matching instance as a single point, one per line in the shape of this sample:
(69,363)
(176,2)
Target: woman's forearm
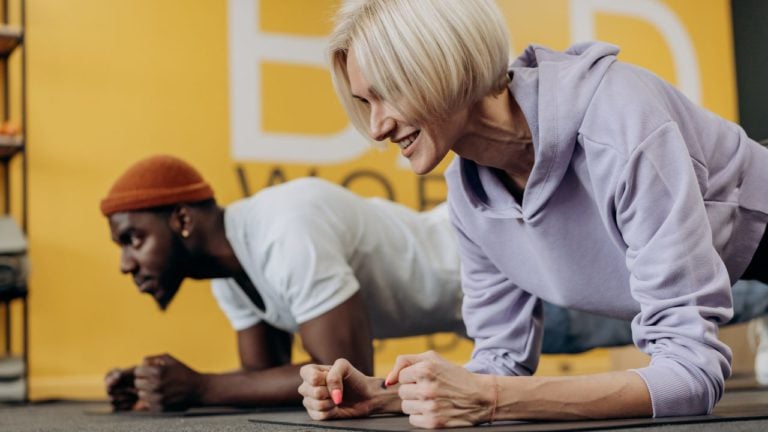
(598,396)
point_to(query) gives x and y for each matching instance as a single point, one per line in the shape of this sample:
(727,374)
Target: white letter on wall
(247,48)
(657,14)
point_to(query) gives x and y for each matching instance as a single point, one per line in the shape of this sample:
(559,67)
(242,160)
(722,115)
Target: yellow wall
(113,81)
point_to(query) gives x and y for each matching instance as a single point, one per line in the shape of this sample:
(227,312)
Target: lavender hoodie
(641,205)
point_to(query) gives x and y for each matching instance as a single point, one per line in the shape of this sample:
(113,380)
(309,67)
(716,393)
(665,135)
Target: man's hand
(341,391)
(166,384)
(437,393)
(121,390)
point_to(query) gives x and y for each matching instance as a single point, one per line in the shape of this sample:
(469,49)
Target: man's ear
(181,220)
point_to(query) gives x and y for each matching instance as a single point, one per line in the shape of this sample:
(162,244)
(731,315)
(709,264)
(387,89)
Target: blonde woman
(579,180)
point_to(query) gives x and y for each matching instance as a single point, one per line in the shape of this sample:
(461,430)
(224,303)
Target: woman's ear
(181,220)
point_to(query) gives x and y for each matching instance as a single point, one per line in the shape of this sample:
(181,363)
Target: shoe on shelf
(758,330)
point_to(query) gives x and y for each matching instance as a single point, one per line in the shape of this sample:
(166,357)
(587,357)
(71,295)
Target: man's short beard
(179,262)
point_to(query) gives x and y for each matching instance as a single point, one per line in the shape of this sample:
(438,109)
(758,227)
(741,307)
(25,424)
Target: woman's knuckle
(430,391)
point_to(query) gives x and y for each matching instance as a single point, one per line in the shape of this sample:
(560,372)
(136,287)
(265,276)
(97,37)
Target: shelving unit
(14,366)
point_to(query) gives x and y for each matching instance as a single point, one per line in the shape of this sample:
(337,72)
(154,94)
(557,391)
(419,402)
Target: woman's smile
(406,142)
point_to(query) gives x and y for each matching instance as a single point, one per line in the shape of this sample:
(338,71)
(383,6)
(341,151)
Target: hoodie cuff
(675,392)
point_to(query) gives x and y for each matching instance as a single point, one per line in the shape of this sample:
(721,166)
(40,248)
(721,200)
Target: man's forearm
(274,386)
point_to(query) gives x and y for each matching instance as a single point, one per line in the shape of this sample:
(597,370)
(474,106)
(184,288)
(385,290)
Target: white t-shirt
(308,245)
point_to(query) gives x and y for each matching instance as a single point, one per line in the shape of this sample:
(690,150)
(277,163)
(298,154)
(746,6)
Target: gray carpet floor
(738,411)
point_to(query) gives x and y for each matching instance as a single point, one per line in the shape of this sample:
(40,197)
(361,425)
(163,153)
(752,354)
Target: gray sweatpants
(567,331)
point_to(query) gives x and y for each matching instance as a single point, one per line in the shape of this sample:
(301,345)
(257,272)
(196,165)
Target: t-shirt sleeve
(308,264)
(237,307)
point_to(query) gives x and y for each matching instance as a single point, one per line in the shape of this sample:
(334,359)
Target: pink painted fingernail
(336,396)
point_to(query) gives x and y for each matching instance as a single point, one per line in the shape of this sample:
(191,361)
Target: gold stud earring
(184,233)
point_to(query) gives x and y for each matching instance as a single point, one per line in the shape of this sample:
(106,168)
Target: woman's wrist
(495,401)
(385,400)
(488,398)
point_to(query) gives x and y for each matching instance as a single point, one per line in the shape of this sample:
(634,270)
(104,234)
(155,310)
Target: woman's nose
(382,123)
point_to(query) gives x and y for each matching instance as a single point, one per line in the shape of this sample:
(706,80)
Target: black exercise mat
(734,406)
(192,412)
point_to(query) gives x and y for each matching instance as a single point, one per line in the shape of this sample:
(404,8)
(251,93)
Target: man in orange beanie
(305,257)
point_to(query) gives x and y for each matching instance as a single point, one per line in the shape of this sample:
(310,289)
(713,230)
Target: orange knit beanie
(155,182)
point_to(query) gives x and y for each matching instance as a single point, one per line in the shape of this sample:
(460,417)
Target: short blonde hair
(426,58)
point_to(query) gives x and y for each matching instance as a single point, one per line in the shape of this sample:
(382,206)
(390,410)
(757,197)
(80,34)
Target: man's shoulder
(300,205)
(298,193)
(305,186)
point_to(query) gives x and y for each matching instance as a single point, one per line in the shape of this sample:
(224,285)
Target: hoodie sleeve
(504,321)
(676,275)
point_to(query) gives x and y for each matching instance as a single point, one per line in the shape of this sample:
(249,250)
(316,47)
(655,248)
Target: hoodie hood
(554,90)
